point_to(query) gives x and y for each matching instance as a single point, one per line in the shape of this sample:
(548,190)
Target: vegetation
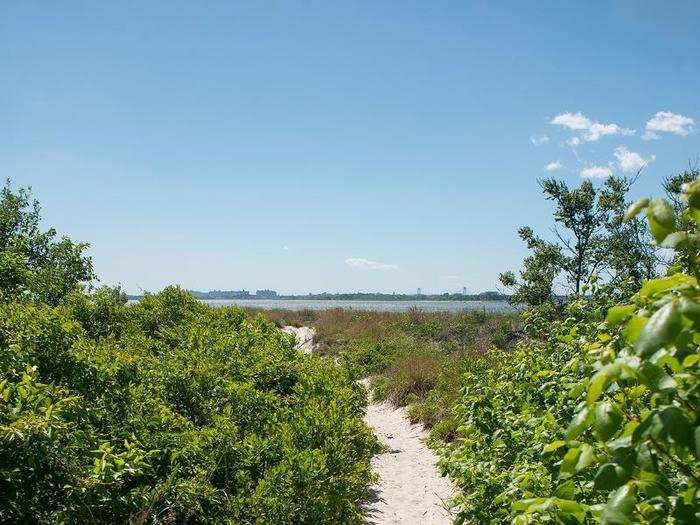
(162,412)
(415,358)
(594,417)
(581,409)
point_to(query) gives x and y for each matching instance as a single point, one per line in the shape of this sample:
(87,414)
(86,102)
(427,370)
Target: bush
(171,411)
(591,420)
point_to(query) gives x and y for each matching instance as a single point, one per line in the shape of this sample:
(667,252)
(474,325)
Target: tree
(575,210)
(35,264)
(684,257)
(536,284)
(627,252)
(592,238)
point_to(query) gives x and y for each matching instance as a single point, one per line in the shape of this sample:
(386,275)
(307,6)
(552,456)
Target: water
(374,306)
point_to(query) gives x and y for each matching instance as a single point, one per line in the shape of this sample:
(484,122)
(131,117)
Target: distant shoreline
(217,295)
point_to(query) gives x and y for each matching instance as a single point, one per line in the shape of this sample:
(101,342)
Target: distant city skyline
(316,146)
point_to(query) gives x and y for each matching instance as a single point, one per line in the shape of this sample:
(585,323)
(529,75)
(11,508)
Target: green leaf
(581,421)
(635,208)
(566,490)
(551,447)
(586,458)
(655,377)
(611,517)
(601,381)
(618,314)
(576,509)
(668,425)
(674,240)
(676,427)
(689,309)
(662,220)
(568,463)
(634,328)
(610,476)
(656,286)
(608,419)
(662,328)
(620,506)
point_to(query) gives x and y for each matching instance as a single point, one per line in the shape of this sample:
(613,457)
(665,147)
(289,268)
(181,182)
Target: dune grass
(415,358)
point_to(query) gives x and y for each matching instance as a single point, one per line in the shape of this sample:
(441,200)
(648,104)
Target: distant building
(464,290)
(265,294)
(418,292)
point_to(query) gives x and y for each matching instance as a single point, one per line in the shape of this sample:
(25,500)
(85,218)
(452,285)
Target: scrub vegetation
(166,411)
(582,409)
(416,358)
(594,416)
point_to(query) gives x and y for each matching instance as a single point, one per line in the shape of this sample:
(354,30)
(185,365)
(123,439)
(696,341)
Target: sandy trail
(305,337)
(410,488)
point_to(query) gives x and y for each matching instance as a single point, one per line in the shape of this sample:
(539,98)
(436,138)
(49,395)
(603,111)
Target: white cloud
(538,140)
(596,172)
(554,166)
(589,130)
(573,142)
(667,122)
(285,248)
(631,161)
(366,264)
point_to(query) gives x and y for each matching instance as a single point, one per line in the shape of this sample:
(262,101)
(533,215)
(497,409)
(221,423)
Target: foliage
(598,421)
(592,239)
(34,264)
(415,358)
(165,411)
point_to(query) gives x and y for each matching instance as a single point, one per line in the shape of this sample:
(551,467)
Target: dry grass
(416,358)
(410,377)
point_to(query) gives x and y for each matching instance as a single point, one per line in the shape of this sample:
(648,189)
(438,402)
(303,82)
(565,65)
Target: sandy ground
(410,488)
(304,336)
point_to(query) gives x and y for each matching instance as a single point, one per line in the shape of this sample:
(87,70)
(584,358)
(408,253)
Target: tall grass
(415,358)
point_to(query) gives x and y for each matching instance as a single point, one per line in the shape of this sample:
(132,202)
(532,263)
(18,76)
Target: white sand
(304,336)
(410,489)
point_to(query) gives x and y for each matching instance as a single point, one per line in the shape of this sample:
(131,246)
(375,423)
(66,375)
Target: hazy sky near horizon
(333,146)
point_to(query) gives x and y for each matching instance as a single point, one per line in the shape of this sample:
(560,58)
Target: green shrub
(171,411)
(592,421)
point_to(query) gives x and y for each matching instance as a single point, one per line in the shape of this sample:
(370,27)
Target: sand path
(304,336)
(410,489)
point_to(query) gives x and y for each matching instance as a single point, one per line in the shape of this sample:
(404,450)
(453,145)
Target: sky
(316,146)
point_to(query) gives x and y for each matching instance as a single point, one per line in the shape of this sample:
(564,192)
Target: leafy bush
(414,357)
(190,414)
(165,411)
(597,421)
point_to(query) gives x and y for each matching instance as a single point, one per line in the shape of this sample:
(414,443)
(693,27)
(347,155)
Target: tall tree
(35,264)
(592,238)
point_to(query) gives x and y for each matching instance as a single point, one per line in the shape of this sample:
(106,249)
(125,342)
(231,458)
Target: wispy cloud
(631,161)
(538,140)
(667,122)
(285,248)
(588,129)
(366,264)
(596,172)
(555,165)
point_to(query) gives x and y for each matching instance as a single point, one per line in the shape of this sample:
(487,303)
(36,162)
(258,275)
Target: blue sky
(310,146)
